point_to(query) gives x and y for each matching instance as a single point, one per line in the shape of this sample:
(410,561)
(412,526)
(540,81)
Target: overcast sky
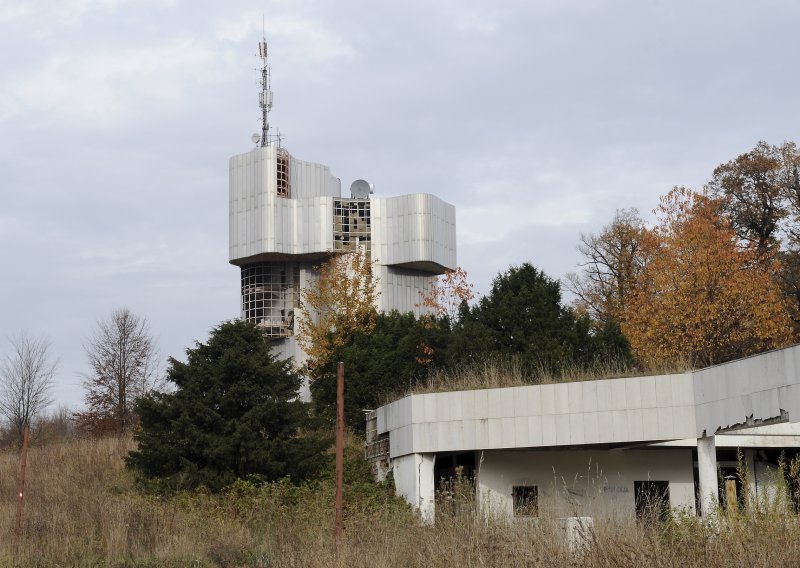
(536,119)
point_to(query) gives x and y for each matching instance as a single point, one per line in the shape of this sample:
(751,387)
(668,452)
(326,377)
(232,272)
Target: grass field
(84,509)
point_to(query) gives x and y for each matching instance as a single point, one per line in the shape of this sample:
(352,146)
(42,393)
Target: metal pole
(339,451)
(21,493)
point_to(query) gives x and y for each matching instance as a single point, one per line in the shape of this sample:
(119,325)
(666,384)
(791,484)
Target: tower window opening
(283,184)
(270,297)
(351,225)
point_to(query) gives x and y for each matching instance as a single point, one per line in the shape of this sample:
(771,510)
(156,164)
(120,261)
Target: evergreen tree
(233,414)
(394,356)
(523,318)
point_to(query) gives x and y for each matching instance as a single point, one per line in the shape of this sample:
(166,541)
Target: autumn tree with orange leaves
(338,305)
(447,294)
(702,296)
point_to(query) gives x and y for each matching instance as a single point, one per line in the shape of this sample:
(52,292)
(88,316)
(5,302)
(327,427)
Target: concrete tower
(288,216)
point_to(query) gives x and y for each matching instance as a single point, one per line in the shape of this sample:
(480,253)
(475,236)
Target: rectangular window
(526,500)
(652,500)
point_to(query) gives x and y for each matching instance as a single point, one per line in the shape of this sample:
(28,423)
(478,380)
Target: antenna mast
(265,96)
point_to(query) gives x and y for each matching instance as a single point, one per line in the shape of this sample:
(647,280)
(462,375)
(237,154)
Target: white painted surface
(756,388)
(417,230)
(565,414)
(672,409)
(595,483)
(707,473)
(414,481)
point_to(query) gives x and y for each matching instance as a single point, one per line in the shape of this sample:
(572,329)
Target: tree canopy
(395,355)
(233,414)
(702,297)
(340,304)
(123,359)
(523,317)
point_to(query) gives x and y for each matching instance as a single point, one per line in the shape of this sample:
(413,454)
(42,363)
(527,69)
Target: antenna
(265,96)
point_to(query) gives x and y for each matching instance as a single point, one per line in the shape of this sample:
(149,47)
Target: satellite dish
(255,138)
(360,189)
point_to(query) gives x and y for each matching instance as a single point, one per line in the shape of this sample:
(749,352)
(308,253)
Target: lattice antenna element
(265,95)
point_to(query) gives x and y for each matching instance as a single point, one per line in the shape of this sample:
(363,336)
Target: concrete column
(750,470)
(427,487)
(414,481)
(707,472)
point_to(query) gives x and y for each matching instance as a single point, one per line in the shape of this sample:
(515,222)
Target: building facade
(600,448)
(288,216)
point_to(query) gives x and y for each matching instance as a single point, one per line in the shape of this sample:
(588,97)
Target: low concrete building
(598,448)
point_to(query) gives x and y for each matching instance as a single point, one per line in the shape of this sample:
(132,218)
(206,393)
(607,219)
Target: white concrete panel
(591,434)
(682,389)
(666,427)
(507,402)
(618,394)
(482,434)
(521,432)
(481,403)
(620,424)
(535,437)
(507,430)
(444,405)
(635,418)
(534,399)
(684,421)
(589,395)
(495,404)
(633,392)
(417,228)
(562,429)
(561,398)
(650,424)
(417,405)
(574,397)
(663,391)
(548,430)
(520,398)
(468,434)
(429,404)
(604,401)
(605,424)
(548,395)
(647,389)
(455,404)
(468,404)
(496,439)
(576,429)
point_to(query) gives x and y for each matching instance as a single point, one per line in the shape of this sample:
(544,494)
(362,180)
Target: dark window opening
(526,500)
(283,184)
(455,483)
(652,501)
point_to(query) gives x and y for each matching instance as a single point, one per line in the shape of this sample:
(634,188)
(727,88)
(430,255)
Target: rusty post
(21,492)
(339,451)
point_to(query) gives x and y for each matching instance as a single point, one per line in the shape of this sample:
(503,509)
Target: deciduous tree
(233,414)
(26,379)
(448,293)
(756,191)
(340,304)
(124,367)
(702,296)
(612,261)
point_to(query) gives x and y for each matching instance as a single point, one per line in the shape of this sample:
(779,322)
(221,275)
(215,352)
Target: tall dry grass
(84,509)
(498,372)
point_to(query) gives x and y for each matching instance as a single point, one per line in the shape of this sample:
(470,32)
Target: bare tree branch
(26,378)
(124,367)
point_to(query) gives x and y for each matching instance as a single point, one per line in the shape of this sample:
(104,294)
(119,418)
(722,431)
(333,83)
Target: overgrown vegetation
(233,414)
(83,508)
